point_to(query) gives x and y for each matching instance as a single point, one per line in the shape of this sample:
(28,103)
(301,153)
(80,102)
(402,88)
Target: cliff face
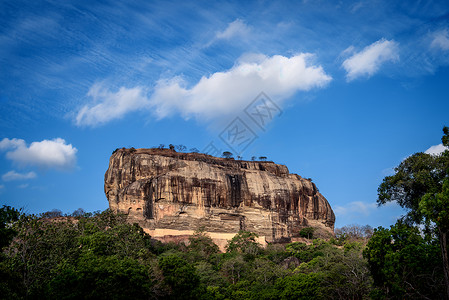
(173,194)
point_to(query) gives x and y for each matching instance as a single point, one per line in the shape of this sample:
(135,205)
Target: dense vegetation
(420,184)
(101,256)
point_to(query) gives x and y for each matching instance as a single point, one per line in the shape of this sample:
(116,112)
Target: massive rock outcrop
(173,194)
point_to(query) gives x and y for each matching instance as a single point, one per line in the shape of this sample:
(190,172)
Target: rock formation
(173,194)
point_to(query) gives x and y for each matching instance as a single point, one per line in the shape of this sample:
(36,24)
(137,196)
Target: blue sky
(358,86)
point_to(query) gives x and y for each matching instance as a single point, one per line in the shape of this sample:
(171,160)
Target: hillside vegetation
(101,256)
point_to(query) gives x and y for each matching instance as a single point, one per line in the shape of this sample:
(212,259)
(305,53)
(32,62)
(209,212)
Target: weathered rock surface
(172,194)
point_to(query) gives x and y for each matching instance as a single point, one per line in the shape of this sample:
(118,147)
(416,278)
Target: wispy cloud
(157,44)
(441,40)
(368,61)
(357,6)
(234,29)
(54,153)
(436,150)
(13,175)
(356,208)
(225,92)
(107,106)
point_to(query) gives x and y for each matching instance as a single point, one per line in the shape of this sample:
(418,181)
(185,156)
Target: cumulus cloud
(225,92)
(368,61)
(355,207)
(441,40)
(11,143)
(47,153)
(236,28)
(13,175)
(436,150)
(108,106)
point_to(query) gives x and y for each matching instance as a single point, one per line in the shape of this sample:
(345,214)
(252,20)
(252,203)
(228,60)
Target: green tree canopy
(8,215)
(404,264)
(307,232)
(244,242)
(227,154)
(179,276)
(420,186)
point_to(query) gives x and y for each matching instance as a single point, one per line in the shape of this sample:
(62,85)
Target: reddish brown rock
(172,194)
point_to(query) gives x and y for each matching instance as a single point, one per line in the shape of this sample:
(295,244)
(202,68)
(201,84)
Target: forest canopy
(101,256)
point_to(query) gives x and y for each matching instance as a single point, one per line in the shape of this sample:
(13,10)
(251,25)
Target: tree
(265,271)
(227,154)
(354,232)
(404,264)
(99,256)
(201,245)
(344,272)
(78,212)
(100,277)
(435,208)
(420,186)
(307,232)
(180,276)
(8,215)
(253,158)
(300,286)
(181,148)
(234,268)
(262,158)
(171,147)
(54,213)
(244,242)
(347,276)
(194,150)
(300,250)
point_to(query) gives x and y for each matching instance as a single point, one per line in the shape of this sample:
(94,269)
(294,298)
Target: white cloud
(6,144)
(23,186)
(436,150)
(236,28)
(356,208)
(348,51)
(47,153)
(108,106)
(225,92)
(13,175)
(368,61)
(2,186)
(441,40)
